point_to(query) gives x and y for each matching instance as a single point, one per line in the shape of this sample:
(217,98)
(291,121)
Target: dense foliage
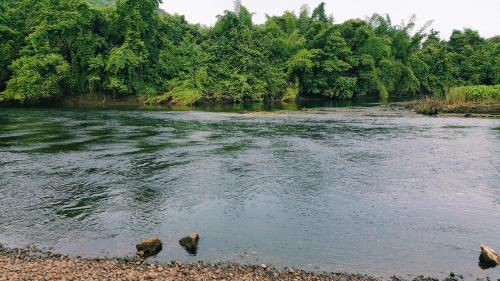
(51,49)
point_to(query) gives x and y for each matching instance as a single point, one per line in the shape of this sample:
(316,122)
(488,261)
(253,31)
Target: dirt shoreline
(32,264)
(440,107)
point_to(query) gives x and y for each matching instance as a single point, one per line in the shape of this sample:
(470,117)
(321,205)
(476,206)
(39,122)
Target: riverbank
(433,106)
(32,264)
(104,101)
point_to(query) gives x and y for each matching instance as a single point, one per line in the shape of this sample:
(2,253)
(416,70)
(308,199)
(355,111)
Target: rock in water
(149,247)
(190,243)
(488,257)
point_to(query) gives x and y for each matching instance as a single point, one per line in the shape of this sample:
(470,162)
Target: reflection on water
(353,189)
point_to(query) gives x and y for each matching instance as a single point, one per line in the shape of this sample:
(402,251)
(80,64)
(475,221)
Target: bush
(291,93)
(429,106)
(36,78)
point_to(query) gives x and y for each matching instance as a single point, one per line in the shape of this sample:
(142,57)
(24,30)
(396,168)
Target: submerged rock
(190,243)
(488,257)
(149,247)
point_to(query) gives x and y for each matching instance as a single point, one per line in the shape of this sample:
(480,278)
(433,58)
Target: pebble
(153,275)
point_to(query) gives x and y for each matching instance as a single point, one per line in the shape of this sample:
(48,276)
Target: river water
(357,189)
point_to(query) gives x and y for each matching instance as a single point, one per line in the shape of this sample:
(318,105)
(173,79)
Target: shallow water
(350,189)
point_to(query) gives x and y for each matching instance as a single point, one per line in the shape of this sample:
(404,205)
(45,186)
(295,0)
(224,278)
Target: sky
(480,15)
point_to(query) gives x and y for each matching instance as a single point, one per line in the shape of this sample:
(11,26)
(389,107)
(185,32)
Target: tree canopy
(52,49)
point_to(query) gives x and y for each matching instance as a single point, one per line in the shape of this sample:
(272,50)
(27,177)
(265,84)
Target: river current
(357,189)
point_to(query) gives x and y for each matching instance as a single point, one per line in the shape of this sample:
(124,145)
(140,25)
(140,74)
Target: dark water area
(356,189)
(301,104)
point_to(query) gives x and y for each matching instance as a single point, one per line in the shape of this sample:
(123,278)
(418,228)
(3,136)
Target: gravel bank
(32,264)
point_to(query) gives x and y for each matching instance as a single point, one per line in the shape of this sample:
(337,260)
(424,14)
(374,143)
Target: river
(356,189)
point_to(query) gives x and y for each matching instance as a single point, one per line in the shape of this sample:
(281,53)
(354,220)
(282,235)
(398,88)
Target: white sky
(481,15)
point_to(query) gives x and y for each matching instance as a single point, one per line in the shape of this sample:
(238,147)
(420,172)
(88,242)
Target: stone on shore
(488,256)
(190,243)
(149,247)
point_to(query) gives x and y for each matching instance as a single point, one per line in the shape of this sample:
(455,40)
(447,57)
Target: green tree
(131,65)
(37,77)
(9,44)
(54,48)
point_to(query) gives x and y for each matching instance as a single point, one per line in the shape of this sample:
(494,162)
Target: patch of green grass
(479,93)
(178,96)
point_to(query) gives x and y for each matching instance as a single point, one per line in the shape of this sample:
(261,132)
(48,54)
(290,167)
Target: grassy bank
(468,94)
(462,100)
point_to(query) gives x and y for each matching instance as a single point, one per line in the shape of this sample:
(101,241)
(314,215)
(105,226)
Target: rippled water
(350,189)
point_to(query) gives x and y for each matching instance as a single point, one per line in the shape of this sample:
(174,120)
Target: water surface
(349,189)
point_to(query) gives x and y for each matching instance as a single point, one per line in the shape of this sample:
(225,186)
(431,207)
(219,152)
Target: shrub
(36,78)
(429,106)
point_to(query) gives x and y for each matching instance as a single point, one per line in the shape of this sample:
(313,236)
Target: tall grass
(479,93)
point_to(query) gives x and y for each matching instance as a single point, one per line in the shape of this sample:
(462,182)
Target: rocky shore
(32,264)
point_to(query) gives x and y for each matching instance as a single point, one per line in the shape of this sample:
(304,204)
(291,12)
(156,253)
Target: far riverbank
(436,106)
